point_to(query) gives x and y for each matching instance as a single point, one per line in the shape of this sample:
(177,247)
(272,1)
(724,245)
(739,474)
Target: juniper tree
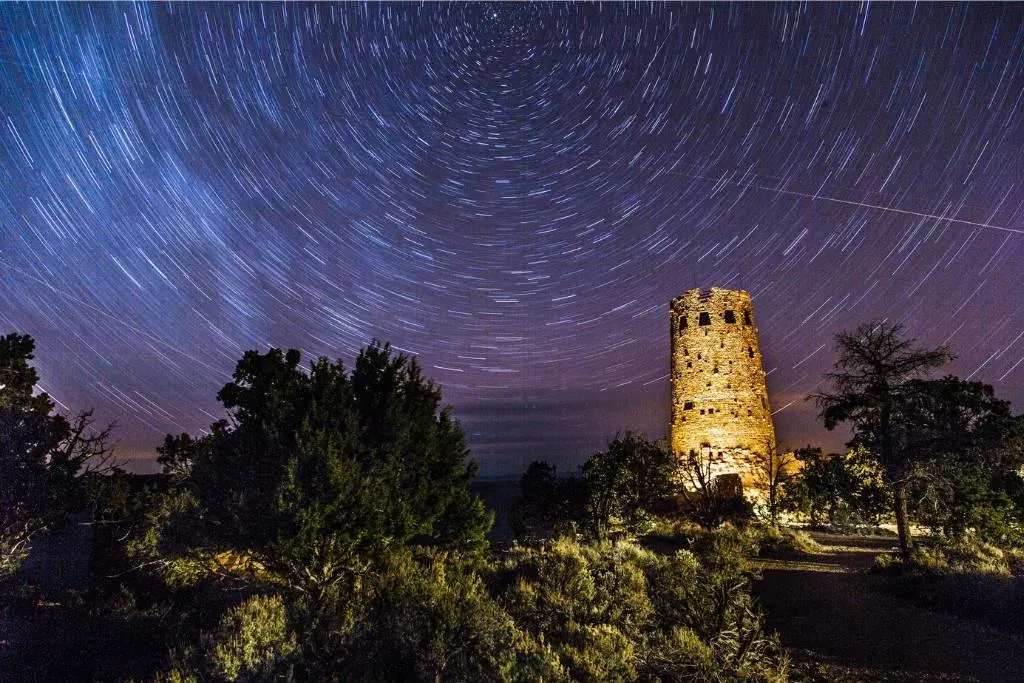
(873,391)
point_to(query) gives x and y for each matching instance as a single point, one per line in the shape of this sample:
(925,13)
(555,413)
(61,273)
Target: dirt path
(842,623)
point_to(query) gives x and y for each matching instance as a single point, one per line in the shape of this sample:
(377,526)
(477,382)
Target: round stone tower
(719,396)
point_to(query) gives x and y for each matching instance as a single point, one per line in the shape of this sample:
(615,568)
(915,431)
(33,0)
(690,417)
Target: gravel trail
(842,623)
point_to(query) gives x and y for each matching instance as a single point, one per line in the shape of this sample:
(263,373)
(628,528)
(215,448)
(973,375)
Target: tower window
(711,411)
(746,317)
(688,405)
(701,411)
(682,322)
(730,317)
(705,318)
(689,364)
(715,370)
(750,351)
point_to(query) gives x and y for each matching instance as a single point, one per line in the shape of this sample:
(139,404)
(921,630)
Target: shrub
(619,612)
(772,540)
(965,576)
(589,585)
(432,618)
(961,555)
(598,653)
(252,639)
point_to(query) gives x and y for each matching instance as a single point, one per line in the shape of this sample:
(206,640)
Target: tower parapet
(719,394)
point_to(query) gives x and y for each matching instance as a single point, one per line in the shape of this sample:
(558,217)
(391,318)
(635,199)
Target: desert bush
(598,653)
(836,490)
(431,618)
(961,555)
(773,540)
(617,491)
(252,640)
(676,526)
(620,612)
(965,576)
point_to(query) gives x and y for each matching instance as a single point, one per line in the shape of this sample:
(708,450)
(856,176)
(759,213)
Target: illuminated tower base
(719,397)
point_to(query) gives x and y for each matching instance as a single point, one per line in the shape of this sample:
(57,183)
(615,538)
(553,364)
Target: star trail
(511,192)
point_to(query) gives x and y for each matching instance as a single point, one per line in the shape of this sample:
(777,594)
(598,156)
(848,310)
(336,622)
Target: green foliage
(548,505)
(626,482)
(598,653)
(252,640)
(432,619)
(318,475)
(618,612)
(709,598)
(424,616)
(965,554)
(617,490)
(176,675)
(964,576)
(969,451)
(29,437)
(773,470)
(589,602)
(177,453)
(171,511)
(13,551)
(948,446)
(872,390)
(329,491)
(773,540)
(840,489)
(340,502)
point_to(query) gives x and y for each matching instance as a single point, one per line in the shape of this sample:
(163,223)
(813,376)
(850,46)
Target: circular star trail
(512,192)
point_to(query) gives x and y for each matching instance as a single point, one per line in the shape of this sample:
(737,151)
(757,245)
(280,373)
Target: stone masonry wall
(719,396)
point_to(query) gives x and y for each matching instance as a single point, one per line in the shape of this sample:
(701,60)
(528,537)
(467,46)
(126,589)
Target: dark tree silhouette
(872,389)
(968,449)
(626,481)
(830,484)
(539,508)
(316,476)
(42,454)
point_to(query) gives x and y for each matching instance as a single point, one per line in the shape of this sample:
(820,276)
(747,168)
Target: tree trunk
(902,524)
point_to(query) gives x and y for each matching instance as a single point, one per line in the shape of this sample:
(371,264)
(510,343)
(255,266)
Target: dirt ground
(841,623)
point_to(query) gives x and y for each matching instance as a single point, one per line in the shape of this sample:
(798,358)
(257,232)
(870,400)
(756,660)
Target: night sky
(512,192)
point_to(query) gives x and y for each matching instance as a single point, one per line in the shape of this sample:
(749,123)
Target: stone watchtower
(719,396)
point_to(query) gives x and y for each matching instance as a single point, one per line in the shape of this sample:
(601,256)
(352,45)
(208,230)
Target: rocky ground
(841,623)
